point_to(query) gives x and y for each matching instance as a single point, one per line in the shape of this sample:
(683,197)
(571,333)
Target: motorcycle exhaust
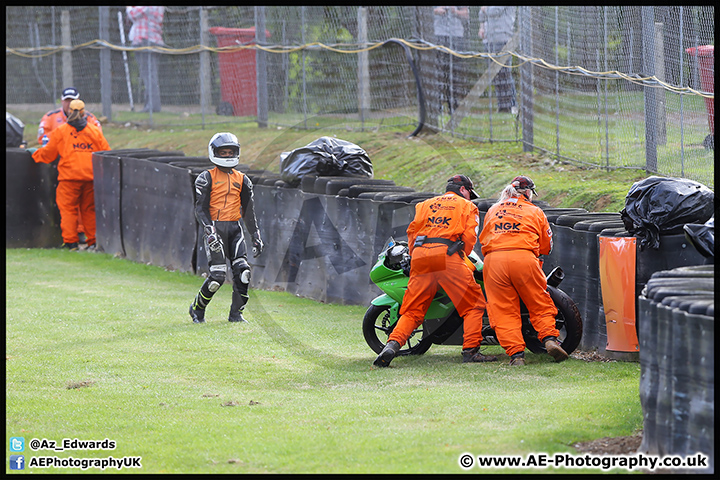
(555,277)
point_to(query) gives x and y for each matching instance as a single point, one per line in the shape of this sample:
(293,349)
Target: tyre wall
(32,219)
(676,327)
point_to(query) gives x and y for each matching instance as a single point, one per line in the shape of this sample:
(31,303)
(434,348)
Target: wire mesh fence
(608,86)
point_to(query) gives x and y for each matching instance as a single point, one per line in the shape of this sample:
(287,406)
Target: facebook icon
(17,462)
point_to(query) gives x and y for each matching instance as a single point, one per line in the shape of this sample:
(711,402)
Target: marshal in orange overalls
(75,176)
(514,235)
(50,122)
(451,217)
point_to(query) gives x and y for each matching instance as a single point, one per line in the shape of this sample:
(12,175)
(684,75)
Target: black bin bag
(326,156)
(14,130)
(663,206)
(702,237)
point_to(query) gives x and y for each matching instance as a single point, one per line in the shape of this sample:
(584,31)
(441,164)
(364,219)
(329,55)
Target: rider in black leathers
(224,196)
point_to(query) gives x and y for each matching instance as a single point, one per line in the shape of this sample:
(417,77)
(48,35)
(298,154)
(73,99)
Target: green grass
(100,347)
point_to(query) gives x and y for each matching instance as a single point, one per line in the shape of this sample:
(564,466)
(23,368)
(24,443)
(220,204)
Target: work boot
(387,354)
(518,359)
(197,314)
(473,355)
(554,349)
(236,308)
(70,246)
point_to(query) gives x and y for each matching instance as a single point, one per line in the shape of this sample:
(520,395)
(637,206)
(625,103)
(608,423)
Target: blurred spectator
(448,24)
(497,26)
(146,31)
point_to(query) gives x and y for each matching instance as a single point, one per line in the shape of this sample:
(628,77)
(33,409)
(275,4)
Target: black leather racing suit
(224,199)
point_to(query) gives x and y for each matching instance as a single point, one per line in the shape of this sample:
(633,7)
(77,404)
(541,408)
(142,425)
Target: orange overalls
(451,217)
(514,234)
(49,123)
(75,176)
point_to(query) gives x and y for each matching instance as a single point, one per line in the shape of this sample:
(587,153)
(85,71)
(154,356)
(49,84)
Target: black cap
(71,93)
(523,182)
(463,181)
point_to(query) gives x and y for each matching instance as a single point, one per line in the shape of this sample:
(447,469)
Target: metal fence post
(526,77)
(260,55)
(363,67)
(205,85)
(648,42)
(67,67)
(105,69)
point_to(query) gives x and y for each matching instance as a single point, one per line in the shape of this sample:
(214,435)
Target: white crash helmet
(224,139)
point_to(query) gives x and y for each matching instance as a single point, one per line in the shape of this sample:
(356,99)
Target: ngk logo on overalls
(439,221)
(507,226)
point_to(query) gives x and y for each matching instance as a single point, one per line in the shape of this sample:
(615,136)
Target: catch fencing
(604,86)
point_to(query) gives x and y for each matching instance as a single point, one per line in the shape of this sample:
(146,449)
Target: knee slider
(241,270)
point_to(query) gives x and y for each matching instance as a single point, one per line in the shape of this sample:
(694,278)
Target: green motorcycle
(442,323)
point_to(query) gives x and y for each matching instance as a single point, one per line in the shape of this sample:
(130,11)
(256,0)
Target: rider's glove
(213,239)
(258,245)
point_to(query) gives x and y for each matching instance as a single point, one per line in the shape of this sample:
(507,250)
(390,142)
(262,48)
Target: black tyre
(307,183)
(484,204)
(600,226)
(377,328)
(701,271)
(568,321)
(355,190)
(407,198)
(572,219)
(334,186)
(322,181)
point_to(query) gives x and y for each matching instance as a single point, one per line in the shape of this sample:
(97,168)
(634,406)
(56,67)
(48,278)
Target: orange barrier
(617,281)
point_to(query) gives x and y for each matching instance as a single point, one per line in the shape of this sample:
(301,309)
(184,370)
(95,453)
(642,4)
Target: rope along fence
(613,87)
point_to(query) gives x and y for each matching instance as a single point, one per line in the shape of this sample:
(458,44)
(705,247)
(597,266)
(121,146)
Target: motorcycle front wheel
(567,321)
(377,327)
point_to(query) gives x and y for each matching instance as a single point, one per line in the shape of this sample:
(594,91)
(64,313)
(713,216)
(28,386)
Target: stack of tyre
(576,251)
(676,334)
(363,188)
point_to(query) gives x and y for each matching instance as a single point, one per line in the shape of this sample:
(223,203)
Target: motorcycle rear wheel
(568,321)
(377,328)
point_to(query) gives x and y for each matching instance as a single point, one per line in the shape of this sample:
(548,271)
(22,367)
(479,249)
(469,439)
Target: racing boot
(197,314)
(473,355)
(554,349)
(237,307)
(517,359)
(388,353)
